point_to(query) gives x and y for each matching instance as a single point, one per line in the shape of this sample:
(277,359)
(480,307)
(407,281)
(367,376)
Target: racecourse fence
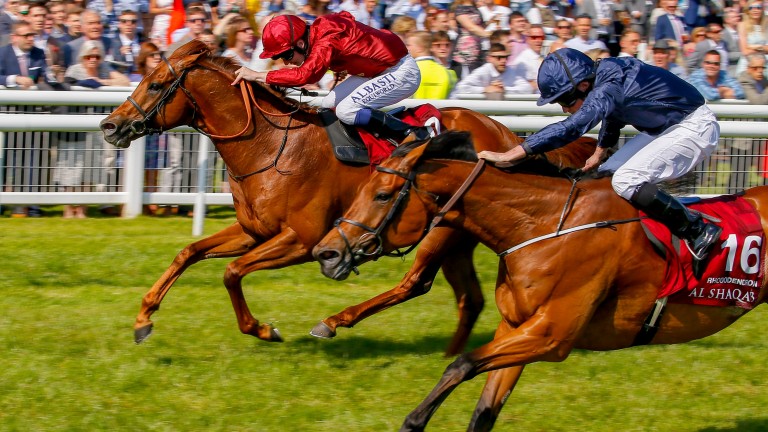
(51,152)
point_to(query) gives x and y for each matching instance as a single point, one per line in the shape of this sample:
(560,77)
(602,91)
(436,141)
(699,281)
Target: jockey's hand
(249,75)
(503,160)
(595,160)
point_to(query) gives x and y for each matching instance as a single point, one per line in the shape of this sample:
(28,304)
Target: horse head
(383,217)
(192,87)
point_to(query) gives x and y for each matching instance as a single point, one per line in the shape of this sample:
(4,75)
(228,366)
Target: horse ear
(409,162)
(192,58)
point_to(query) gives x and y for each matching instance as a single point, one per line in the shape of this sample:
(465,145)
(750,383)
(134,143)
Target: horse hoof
(141,334)
(275,335)
(322,331)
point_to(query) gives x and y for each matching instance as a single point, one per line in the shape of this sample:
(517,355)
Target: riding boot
(699,235)
(388,126)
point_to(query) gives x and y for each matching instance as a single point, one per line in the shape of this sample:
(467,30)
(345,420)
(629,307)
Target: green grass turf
(70,290)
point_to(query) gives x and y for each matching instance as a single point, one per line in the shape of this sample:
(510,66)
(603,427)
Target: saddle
(357,146)
(734,272)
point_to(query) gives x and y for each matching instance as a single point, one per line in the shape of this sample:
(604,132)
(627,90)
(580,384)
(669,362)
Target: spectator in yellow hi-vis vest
(437,81)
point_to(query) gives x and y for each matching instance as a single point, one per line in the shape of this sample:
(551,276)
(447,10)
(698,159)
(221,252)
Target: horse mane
(230,65)
(458,145)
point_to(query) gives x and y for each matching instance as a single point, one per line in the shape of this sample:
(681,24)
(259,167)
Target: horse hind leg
(283,250)
(460,273)
(229,242)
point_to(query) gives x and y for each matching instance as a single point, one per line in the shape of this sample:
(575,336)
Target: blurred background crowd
(462,46)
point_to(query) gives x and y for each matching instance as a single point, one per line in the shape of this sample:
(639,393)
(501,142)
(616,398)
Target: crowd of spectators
(459,35)
(463,47)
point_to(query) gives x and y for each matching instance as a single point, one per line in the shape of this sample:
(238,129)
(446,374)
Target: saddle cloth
(356,145)
(734,272)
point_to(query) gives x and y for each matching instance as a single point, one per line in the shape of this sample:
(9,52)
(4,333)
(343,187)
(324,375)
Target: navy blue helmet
(561,71)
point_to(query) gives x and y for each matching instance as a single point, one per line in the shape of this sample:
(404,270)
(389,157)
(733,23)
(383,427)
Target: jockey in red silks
(380,70)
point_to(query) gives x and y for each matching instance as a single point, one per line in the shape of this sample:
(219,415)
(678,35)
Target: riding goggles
(569,99)
(285,55)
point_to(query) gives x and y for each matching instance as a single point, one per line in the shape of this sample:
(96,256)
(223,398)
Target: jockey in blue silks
(677,128)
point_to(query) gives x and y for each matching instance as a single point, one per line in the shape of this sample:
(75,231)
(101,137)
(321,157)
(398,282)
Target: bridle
(374,234)
(249,98)
(140,126)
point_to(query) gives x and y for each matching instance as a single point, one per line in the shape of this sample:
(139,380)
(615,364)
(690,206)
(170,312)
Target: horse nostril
(328,255)
(108,127)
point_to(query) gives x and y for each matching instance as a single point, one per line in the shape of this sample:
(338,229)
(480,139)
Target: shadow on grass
(356,347)
(748,425)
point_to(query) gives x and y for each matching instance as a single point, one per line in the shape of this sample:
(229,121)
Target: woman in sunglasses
(677,131)
(380,70)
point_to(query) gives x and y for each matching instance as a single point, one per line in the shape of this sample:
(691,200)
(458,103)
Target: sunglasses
(499,56)
(564,27)
(92,57)
(26,35)
(569,99)
(285,56)
(536,37)
(758,7)
(128,21)
(196,20)
(712,63)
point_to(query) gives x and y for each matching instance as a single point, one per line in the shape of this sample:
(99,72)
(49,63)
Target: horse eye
(383,197)
(155,87)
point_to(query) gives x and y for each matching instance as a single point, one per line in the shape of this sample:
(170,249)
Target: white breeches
(355,93)
(666,156)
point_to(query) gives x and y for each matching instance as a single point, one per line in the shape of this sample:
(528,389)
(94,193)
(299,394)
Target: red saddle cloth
(422,115)
(734,272)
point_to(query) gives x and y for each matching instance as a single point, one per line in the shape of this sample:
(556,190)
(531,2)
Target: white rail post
(198,218)
(2,165)
(133,180)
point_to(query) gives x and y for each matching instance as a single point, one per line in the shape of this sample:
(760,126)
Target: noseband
(374,234)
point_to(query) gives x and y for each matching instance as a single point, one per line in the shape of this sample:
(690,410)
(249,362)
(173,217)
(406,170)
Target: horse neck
(502,209)
(260,143)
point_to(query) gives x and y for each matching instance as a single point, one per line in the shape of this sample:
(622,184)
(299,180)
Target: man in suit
(93,29)
(731,21)
(21,63)
(669,25)
(8,16)
(638,14)
(124,47)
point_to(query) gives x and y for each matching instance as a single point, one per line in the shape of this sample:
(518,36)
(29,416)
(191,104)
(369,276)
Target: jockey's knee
(624,186)
(346,111)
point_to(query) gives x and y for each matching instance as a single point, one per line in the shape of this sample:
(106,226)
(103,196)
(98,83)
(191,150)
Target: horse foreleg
(441,244)
(229,242)
(280,251)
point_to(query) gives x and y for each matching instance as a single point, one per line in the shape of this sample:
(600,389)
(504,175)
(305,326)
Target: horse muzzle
(120,135)
(334,263)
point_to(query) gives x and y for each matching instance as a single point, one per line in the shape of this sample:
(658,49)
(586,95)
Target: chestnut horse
(589,289)
(287,187)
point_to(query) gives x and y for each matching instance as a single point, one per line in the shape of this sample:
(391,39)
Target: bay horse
(590,289)
(287,187)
